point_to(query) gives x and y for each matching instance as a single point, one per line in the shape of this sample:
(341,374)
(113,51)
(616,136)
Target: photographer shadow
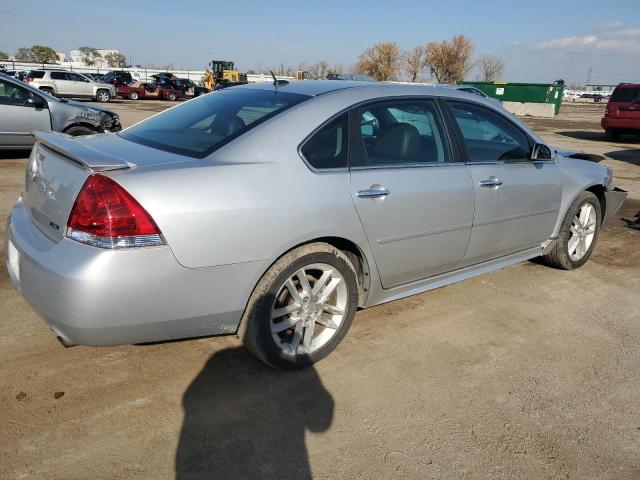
(245,420)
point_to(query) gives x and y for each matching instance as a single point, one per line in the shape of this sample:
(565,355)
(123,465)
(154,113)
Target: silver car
(24,109)
(70,85)
(276,211)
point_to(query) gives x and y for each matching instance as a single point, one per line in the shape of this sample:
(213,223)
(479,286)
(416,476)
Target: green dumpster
(523,92)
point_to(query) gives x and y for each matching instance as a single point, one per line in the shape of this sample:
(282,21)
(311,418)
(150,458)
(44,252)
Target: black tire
(612,134)
(559,256)
(133,96)
(171,96)
(48,90)
(103,96)
(255,327)
(78,130)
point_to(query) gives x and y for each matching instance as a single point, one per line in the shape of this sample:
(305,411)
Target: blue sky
(540,41)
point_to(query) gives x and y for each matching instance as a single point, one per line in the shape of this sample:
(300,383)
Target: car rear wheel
(133,95)
(578,234)
(103,96)
(301,308)
(171,96)
(48,90)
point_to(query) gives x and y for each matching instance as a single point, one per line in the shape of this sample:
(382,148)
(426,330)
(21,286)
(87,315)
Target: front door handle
(491,182)
(374,192)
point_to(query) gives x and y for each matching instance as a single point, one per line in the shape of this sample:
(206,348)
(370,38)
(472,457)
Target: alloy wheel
(309,308)
(583,230)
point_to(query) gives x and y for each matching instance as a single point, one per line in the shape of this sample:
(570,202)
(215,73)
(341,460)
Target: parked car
(96,77)
(253,210)
(622,115)
(117,78)
(24,109)
(70,85)
(140,90)
(596,97)
(189,88)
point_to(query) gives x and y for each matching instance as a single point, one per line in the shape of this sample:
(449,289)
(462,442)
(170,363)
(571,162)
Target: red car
(623,111)
(136,90)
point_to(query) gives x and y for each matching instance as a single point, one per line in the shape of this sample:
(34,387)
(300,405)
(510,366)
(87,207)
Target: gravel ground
(527,372)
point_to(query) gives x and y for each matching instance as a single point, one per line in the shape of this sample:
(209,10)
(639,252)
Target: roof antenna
(277,82)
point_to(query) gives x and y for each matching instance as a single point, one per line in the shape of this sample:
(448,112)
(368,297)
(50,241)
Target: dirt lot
(528,372)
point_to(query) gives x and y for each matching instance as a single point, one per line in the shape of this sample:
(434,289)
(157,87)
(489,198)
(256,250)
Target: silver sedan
(276,211)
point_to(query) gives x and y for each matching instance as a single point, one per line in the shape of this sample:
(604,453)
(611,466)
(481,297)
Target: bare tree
(319,70)
(115,59)
(416,62)
(382,61)
(451,61)
(491,68)
(90,55)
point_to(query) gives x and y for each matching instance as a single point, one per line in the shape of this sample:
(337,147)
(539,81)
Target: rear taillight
(105,215)
(29,79)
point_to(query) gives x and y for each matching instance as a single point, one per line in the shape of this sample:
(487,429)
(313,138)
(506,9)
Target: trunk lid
(625,103)
(57,169)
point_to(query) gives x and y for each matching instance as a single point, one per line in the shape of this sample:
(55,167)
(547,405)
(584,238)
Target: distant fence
(142,74)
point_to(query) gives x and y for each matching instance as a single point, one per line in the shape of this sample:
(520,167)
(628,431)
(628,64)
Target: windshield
(630,94)
(200,126)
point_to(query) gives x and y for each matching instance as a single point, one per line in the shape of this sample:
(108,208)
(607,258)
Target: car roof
(320,87)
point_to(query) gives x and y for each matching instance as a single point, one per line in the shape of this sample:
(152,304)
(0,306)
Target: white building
(76,56)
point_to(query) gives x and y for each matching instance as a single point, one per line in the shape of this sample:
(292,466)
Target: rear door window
(58,76)
(198,127)
(398,133)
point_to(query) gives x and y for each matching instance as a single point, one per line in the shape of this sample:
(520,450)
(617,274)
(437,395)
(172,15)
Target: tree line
(43,54)
(446,61)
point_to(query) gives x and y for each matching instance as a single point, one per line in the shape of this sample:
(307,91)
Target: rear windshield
(35,74)
(627,94)
(200,126)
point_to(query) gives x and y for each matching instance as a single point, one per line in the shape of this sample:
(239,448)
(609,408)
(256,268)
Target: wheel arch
(598,190)
(80,124)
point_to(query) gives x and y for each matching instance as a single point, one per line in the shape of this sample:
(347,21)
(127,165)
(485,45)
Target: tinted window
(35,74)
(198,127)
(488,135)
(58,75)
(328,147)
(75,77)
(11,94)
(400,133)
(629,94)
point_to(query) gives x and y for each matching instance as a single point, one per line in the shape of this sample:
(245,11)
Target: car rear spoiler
(80,153)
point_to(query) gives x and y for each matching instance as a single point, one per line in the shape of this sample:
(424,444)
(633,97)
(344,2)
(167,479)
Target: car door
(79,85)
(18,117)
(516,199)
(414,201)
(61,82)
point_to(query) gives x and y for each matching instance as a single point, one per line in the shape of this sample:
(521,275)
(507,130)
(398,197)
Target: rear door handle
(374,193)
(491,182)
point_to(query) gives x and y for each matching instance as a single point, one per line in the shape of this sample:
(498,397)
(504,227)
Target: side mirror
(36,101)
(541,152)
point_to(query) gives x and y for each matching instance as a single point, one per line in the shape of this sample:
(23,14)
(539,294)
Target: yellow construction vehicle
(222,74)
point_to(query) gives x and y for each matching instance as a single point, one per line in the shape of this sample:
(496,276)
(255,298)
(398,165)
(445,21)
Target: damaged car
(24,109)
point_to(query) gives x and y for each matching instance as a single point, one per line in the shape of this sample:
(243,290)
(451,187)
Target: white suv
(70,84)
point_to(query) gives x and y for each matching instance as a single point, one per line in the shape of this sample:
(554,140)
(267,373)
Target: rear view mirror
(36,101)
(541,152)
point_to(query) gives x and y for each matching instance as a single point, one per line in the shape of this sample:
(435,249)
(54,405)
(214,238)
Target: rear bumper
(615,198)
(92,296)
(622,123)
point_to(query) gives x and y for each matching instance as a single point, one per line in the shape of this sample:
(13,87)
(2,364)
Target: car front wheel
(578,234)
(133,95)
(301,308)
